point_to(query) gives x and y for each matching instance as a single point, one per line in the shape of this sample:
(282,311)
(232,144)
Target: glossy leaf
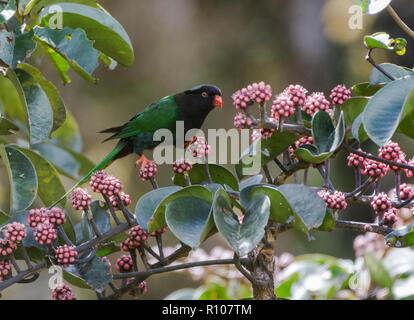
(71,275)
(406,125)
(74,46)
(379,40)
(186,217)
(23,47)
(149,202)
(56,102)
(306,203)
(158,219)
(325,136)
(269,149)
(7,47)
(280,209)
(107,34)
(59,62)
(39,113)
(373,6)
(366,89)
(385,110)
(108,248)
(33,7)
(22,177)
(101,216)
(328,223)
(377,77)
(242,237)
(95,273)
(50,186)
(218,174)
(309,153)
(7,127)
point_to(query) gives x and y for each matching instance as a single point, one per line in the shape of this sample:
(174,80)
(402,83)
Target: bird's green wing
(160,114)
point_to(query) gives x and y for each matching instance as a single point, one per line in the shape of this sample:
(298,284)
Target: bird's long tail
(102,165)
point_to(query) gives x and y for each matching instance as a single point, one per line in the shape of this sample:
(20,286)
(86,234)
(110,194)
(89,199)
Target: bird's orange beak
(218,101)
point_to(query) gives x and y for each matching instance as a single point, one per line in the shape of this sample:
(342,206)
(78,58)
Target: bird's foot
(144,161)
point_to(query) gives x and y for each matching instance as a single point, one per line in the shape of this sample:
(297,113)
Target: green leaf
(402,237)
(373,6)
(95,273)
(73,45)
(306,203)
(378,78)
(38,111)
(58,61)
(325,136)
(101,216)
(378,273)
(385,110)
(328,223)
(187,217)
(86,230)
(7,47)
(7,10)
(11,102)
(158,219)
(244,237)
(280,209)
(309,153)
(107,249)
(22,177)
(352,108)
(107,34)
(366,89)
(6,126)
(379,40)
(149,202)
(3,217)
(218,174)
(269,149)
(23,47)
(69,163)
(56,102)
(71,275)
(33,7)
(50,187)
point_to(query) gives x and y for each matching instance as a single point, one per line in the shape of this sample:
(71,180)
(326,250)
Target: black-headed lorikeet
(191,106)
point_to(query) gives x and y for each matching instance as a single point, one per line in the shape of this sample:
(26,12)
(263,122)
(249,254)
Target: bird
(135,136)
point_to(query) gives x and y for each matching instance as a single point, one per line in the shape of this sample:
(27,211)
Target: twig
(363,227)
(361,189)
(267,173)
(154,183)
(207,172)
(244,272)
(26,257)
(92,222)
(111,209)
(64,236)
(280,165)
(399,21)
(158,237)
(378,159)
(398,184)
(378,67)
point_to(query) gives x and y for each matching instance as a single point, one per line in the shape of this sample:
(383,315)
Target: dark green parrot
(191,106)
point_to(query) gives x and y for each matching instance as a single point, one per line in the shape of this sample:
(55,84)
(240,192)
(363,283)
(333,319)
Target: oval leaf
(243,237)
(158,219)
(22,176)
(147,204)
(187,217)
(218,174)
(107,33)
(384,111)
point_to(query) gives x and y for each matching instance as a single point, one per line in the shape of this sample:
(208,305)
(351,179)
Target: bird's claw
(144,161)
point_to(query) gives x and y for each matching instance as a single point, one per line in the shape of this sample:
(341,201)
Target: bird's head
(207,96)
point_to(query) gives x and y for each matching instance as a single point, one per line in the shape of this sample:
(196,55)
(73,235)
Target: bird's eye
(204,94)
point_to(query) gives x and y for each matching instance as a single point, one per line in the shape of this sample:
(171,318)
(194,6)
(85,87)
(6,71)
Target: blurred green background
(182,43)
